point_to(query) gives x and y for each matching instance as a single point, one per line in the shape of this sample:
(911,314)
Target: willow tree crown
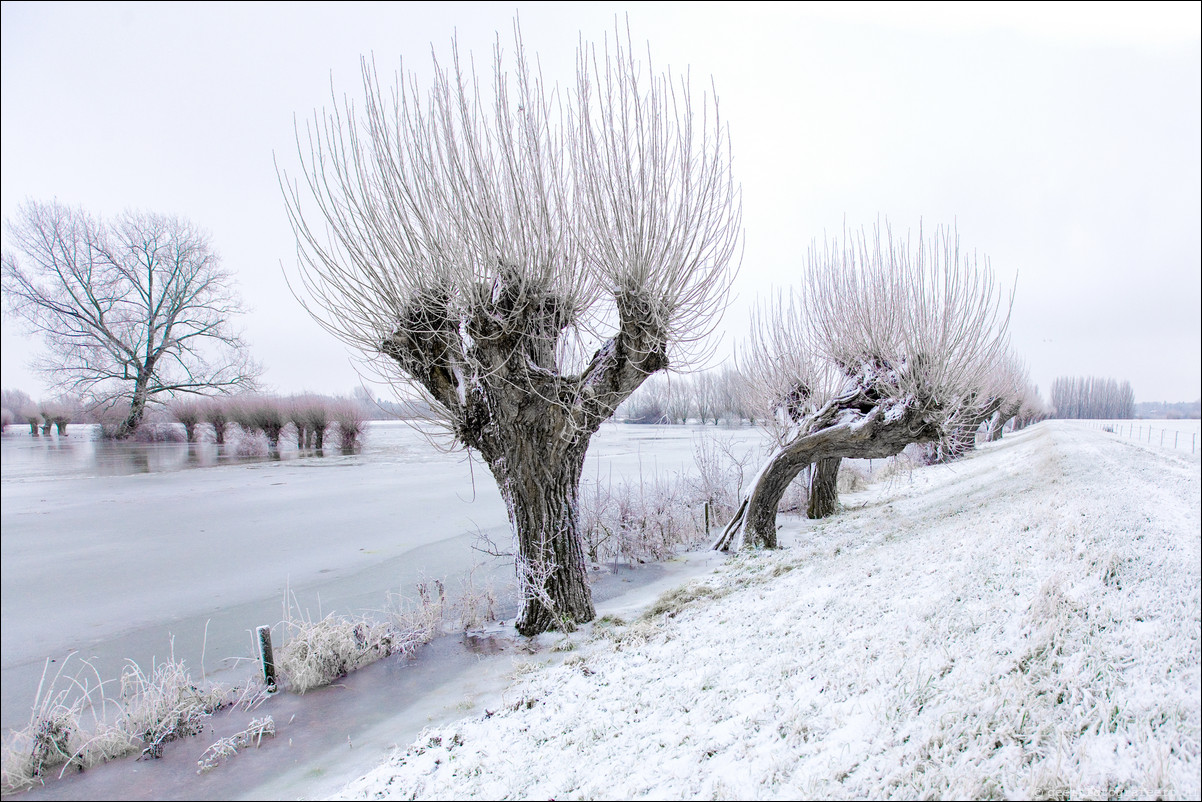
(535,221)
(918,321)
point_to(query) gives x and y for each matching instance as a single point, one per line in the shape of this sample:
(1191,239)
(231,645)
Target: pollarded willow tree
(1012,383)
(1000,394)
(523,257)
(886,343)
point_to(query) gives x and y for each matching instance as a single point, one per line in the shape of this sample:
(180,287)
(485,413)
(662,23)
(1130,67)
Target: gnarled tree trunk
(824,489)
(857,425)
(997,423)
(502,388)
(541,496)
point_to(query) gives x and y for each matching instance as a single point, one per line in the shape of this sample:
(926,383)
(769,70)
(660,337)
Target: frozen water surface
(134,551)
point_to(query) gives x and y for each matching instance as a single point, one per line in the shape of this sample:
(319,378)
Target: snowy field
(1182,435)
(1020,624)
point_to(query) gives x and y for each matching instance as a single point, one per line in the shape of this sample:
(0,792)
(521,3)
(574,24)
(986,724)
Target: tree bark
(542,499)
(824,489)
(137,409)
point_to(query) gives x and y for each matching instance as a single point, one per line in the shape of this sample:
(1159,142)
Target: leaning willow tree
(886,343)
(523,257)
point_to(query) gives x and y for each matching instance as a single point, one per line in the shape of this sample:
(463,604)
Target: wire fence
(1184,437)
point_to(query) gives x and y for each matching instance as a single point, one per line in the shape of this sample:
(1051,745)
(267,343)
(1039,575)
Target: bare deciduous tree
(524,258)
(884,345)
(130,311)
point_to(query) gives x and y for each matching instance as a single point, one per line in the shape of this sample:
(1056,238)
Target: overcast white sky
(1064,141)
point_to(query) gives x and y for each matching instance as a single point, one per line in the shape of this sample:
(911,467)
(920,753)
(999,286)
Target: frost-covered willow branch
(888,341)
(522,257)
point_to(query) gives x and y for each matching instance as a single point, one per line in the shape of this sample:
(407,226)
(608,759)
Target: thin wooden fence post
(266,656)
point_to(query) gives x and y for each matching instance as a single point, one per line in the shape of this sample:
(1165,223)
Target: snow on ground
(1022,623)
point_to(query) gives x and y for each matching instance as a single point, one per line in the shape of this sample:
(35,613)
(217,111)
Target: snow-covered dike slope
(1022,623)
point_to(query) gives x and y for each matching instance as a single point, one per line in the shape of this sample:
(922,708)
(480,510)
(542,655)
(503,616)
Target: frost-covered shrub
(720,475)
(851,479)
(638,521)
(251,444)
(652,517)
(156,431)
(797,497)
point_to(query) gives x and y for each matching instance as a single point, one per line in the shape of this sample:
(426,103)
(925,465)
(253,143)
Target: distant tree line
(1092,398)
(1163,410)
(707,397)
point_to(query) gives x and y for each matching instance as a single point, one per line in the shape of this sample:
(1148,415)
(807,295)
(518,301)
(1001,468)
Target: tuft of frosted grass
(255,732)
(53,735)
(477,604)
(318,651)
(74,724)
(163,705)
